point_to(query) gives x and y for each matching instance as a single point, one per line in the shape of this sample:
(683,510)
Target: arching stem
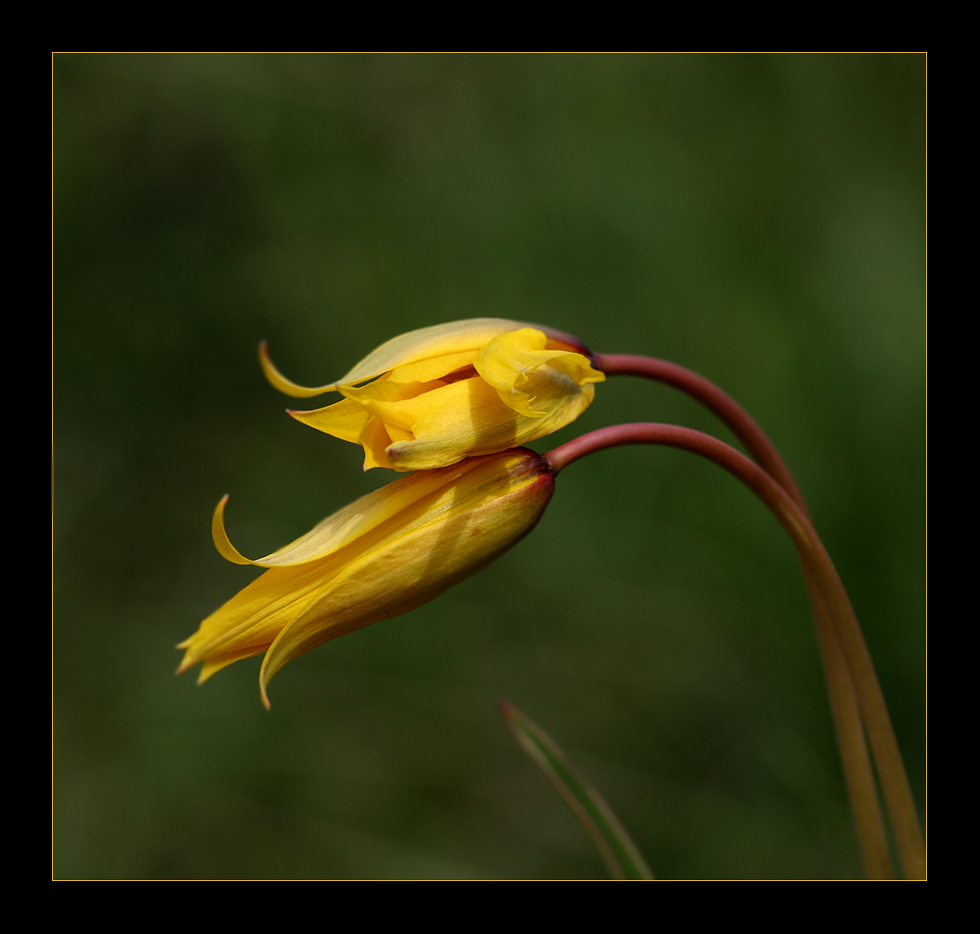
(858,774)
(741,424)
(838,622)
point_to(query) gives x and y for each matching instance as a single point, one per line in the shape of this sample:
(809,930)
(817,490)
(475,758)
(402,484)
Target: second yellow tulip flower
(383,555)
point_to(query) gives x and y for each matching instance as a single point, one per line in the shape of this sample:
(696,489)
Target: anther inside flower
(432,397)
(384,555)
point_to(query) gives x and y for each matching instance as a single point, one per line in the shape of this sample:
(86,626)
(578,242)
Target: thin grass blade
(608,835)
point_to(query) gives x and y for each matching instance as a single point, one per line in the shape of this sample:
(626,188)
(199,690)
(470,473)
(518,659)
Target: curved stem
(838,623)
(858,775)
(741,424)
(852,743)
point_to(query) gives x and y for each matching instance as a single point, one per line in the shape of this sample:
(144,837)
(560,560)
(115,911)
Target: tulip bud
(384,555)
(431,397)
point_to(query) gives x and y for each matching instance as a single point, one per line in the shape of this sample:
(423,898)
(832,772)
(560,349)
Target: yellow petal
(468,418)
(435,542)
(347,525)
(256,615)
(214,664)
(434,367)
(454,341)
(455,337)
(375,439)
(221,541)
(345,419)
(286,385)
(398,434)
(396,404)
(555,395)
(577,367)
(510,361)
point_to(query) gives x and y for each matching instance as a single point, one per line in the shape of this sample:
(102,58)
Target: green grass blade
(612,841)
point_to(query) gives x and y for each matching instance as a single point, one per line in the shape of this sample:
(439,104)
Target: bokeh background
(758,218)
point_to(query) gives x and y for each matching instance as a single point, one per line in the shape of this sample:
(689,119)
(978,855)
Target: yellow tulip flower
(384,555)
(431,397)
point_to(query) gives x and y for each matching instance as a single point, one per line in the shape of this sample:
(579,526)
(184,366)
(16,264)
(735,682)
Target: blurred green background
(760,219)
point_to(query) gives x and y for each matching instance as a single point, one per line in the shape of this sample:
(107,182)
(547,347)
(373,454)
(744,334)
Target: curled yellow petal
(221,541)
(353,522)
(435,350)
(287,385)
(518,365)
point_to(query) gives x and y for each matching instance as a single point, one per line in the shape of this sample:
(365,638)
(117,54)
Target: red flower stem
(741,424)
(859,777)
(838,623)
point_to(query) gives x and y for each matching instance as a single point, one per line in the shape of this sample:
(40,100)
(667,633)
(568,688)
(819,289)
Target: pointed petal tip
(284,385)
(220,536)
